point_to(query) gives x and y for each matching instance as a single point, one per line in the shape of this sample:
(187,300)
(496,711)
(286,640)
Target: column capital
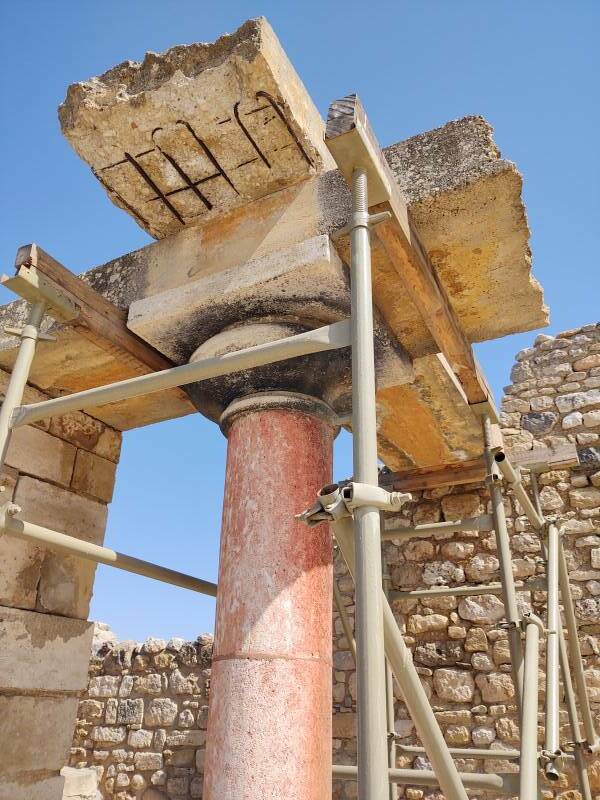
(289,401)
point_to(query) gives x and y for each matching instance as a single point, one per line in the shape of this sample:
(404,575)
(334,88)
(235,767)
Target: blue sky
(530,68)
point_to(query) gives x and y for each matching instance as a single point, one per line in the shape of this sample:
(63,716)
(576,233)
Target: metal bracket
(31,285)
(30,332)
(335,501)
(362,220)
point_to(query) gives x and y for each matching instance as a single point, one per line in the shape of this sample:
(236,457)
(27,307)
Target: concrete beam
(197,130)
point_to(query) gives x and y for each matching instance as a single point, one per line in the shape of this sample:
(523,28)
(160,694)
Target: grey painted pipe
(408,679)
(551,742)
(464,752)
(513,478)
(571,703)
(19,375)
(509,594)
(466,591)
(483,523)
(574,650)
(329,337)
(62,543)
(504,783)
(528,785)
(370,657)
(390,711)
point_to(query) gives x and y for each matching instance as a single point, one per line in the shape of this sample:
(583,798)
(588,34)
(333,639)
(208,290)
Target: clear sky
(530,68)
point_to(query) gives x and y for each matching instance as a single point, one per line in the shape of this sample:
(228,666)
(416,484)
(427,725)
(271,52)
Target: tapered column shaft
(269,728)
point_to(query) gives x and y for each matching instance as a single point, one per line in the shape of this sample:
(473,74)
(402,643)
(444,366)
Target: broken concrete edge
(470,155)
(154,136)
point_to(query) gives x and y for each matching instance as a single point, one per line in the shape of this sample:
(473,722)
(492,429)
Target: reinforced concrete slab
(200,128)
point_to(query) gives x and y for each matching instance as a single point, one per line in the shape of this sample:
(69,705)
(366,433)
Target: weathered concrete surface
(459,190)
(269,722)
(197,129)
(42,652)
(74,363)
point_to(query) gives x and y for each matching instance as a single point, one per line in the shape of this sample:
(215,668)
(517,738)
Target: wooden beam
(473,471)
(353,145)
(541,459)
(98,320)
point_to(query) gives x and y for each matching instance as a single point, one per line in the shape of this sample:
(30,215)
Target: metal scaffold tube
(500,784)
(570,702)
(416,700)
(329,337)
(574,650)
(512,477)
(391,716)
(370,660)
(61,543)
(483,523)
(19,375)
(467,591)
(528,772)
(551,742)
(509,594)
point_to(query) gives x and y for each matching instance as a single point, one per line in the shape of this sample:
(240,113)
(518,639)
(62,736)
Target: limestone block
(35,733)
(197,129)
(588,497)
(65,582)
(94,476)
(36,452)
(32,788)
(43,652)
(148,761)
(80,784)
(485,609)
(495,687)
(453,685)
(160,711)
(78,428)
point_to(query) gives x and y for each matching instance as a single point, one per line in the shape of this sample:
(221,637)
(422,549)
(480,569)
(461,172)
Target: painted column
(269,726)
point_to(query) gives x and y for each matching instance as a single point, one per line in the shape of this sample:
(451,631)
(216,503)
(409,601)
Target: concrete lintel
(305,285)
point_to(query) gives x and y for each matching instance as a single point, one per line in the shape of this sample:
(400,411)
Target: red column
(269,725)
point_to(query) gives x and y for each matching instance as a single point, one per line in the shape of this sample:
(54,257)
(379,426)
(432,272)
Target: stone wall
(61,472)
(459,649)
(142,724)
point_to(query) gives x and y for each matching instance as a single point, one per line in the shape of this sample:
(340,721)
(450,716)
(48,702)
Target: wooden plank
(353,145)
(472,471)
(563,456)
(99,320)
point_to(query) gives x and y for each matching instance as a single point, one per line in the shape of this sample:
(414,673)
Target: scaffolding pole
(509,594)
(329,337)
(528,772)
(499,784)
(408,679)
(551,739)
(571,703)
(19,375)
(70,545)
(574,650)
(370,659)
